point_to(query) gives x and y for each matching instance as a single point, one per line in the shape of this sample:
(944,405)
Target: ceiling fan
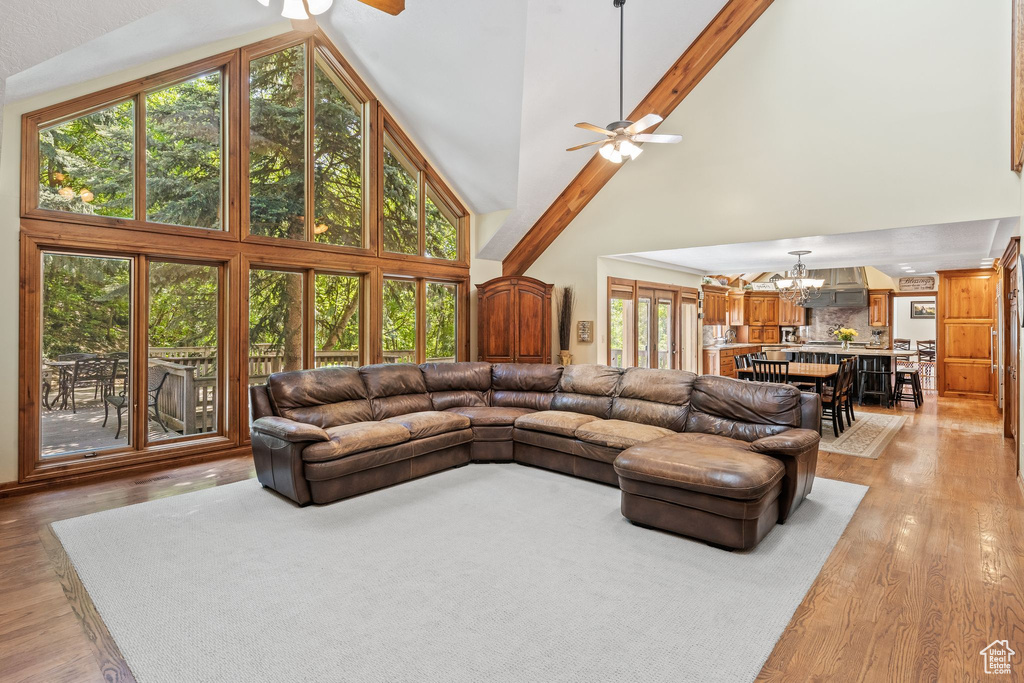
(622,135)
(300,10)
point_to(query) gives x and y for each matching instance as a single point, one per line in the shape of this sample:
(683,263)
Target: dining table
(816,373)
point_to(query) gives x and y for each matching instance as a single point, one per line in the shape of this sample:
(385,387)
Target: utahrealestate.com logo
(997,656)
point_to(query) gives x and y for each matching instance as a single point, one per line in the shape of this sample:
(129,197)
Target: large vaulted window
(190,233)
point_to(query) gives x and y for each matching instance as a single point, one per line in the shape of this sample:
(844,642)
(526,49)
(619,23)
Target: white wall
(905,327)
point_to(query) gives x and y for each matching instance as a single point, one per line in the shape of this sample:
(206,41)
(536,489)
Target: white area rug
(867,437)
(484,573)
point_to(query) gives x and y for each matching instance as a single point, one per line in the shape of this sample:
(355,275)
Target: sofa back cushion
(326,397)
(654,397)
(524,385)
(742,410)
(457,385)
(587,389)
(395,390)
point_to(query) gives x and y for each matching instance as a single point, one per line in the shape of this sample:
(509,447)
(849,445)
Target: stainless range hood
(842,288)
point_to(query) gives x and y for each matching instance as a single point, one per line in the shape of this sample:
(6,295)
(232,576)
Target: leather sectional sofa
(705,456)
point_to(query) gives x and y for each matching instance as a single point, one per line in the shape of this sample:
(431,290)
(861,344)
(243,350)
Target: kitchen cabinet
(791,315)
(878,308)
(716,305)
(722,361)
(514,316)
(738,307)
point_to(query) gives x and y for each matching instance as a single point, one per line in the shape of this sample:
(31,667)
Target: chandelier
(796,286)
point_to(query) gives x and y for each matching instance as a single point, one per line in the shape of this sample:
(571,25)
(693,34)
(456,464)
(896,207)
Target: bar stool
(875,380)
(911,380)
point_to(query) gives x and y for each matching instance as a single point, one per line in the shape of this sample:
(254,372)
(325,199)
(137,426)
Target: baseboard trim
(14,488)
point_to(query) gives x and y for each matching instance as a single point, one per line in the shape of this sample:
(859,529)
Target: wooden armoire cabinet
(514,320)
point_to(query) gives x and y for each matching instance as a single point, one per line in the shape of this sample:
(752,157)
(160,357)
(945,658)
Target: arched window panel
(184,166)
(277,144)
(401,202)
(441,230)
(86,163)
(339,154)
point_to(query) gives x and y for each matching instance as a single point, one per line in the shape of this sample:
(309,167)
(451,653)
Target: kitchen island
(852,351)
(875,360)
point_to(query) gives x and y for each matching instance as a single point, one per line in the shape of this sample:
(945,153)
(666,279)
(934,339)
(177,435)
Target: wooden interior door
(532,323)
(496,334)
(1011,339)
(966,327)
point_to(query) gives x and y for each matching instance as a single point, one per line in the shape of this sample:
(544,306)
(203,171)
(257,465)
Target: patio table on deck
(804,372)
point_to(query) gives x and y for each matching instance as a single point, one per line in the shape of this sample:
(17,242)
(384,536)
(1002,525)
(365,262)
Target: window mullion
(138,345)
(310,196)
(140,157)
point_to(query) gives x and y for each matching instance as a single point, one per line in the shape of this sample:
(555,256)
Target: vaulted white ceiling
(489,90)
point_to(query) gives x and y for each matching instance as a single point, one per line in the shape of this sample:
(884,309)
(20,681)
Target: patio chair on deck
(155,384)
(96,371)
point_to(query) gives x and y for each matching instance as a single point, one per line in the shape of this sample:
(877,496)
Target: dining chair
(95,371)
(119,401)
(775,371)
(901,344)
(836,399)
(926,356)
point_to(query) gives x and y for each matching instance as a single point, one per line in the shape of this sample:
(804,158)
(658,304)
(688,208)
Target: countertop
(736,345)
(854,351)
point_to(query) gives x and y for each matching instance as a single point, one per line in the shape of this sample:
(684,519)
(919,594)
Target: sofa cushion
(430,423)
(457,384)
(325,397)
(654,397)
(561,422)
(742,410)
(619,434)
(705,463)
(395,389)
(587,389)
(491,416)
(355,438)
(523,385)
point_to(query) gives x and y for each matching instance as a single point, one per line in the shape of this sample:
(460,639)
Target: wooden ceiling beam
(702,55)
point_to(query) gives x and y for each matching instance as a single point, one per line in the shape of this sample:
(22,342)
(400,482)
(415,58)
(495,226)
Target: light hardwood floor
(929,571)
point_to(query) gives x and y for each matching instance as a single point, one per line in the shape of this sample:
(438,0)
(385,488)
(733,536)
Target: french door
(129,355)
(657,328)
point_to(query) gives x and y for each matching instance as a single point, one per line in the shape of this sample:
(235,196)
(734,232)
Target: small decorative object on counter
(565,305)
(845,335)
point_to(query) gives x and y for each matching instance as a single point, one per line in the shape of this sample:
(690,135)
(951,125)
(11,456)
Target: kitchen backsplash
(822,321)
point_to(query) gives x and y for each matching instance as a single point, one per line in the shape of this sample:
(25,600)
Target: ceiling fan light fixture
(318,6)
(610,151)
(294,9)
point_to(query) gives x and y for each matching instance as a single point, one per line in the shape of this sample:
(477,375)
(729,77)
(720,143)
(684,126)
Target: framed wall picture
(584,331)
(922,309)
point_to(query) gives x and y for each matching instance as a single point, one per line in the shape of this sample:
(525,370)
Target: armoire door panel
(531,315)
(497,333)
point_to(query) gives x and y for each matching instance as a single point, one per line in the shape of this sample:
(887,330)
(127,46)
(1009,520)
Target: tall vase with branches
(565,304)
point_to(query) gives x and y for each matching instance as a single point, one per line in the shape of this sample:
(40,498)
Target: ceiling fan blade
(586,144)
(394,7)
(596,129)
(643,124)
(654,137)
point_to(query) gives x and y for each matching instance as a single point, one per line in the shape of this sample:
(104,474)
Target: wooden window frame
(461,313)
(232,246)
(136,91)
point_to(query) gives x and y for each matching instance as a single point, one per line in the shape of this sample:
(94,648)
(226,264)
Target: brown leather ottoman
(701,485)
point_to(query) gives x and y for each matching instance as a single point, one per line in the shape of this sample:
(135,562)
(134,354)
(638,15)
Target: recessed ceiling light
(911,271)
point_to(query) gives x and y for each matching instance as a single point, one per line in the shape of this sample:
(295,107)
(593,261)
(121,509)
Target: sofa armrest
(289,430)
(798,451)
(792,442)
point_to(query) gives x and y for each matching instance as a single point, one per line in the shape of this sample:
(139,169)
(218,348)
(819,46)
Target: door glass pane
(440,337)
(86,341)
(337,320)
(441,235)
(184,134)
(665,333)
(182,381)
(643,333)
(86,164)
(275,323)
(337,161)
(621,325)
(401,204)
(277,131)
(399,332)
